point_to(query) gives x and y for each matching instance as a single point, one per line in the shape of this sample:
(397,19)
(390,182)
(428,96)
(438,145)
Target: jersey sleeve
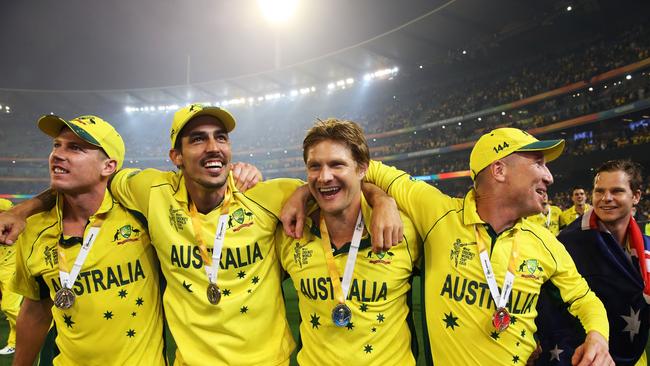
(583,303)
(131,188)
(413,241)
(272,194)
(423,203)
(23,282)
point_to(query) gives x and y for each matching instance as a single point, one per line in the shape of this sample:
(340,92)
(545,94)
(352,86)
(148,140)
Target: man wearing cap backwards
(10,304)
(549,217)
(87,263)
(365,317)
(580,206)
(472,246)
(612,254)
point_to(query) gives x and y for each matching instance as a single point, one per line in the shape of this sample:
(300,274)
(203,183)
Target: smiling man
(580,206)
(483,265)
(354,309)
(612,255)
(87,263)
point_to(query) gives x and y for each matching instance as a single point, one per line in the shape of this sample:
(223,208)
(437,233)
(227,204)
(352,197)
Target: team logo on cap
(84,120)
(196,106)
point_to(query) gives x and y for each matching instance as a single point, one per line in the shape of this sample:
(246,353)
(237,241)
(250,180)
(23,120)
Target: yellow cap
(185,114)
(501,142)
(91,129)
(5,204)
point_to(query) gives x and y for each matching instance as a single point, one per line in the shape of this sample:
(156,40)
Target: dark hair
(346,132)
(632,169)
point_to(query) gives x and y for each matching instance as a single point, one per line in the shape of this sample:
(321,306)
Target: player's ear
(176,157)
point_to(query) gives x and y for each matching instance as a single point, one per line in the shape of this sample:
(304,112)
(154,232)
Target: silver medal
(214,293)
(341,315)
(64,298)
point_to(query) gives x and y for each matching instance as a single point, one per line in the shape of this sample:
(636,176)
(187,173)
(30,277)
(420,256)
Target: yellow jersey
(570,214)
(380,329)
(551,220)
(248,326)
(116,318)
(458,306)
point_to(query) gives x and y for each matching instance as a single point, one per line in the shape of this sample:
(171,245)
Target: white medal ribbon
(219,238)
(352,255)
(500,298)
(68,279)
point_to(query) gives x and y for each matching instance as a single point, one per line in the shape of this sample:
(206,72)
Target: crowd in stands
(270,135)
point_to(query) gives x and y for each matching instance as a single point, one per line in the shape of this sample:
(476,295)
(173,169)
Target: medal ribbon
(211,265)
(500,298)
(68,278)
(341,289)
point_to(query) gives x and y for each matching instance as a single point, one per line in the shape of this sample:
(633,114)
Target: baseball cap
(185,114)
(501,142)
(91,129)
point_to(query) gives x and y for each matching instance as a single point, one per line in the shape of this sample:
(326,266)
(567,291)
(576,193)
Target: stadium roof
(164,51)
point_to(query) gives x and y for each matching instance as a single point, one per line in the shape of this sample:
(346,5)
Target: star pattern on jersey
(315,321)
(67,319)
(226,292)
(122,294)
(373,329)
(513,320)
(632,323)
(380,318)
(515,359)
(187,286)
(130,333)
(243,310)
(255,280)
(367,348)
(134,313)
(350,326)
(495,335)
(363,308)
(450,321)
(108,315)
(523,333)
(250,291)
(555,353)
(241,274)
(139,301)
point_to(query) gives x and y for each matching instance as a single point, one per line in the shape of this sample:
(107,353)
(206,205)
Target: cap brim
(552,148)
(225,117)
(51,125)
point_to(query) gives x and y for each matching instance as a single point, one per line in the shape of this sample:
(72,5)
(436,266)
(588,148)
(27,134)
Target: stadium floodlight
(421,67)
(464,52)
(340,83)
(591,88)
(479,119)
(277,11)
(293,93)
(331,86)
(569,8)
(349,81)
(628,77)
(367,77)
(503,113)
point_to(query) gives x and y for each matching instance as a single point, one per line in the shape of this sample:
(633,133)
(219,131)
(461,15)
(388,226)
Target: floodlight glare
(277,11)
(569,8)
(628,77)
